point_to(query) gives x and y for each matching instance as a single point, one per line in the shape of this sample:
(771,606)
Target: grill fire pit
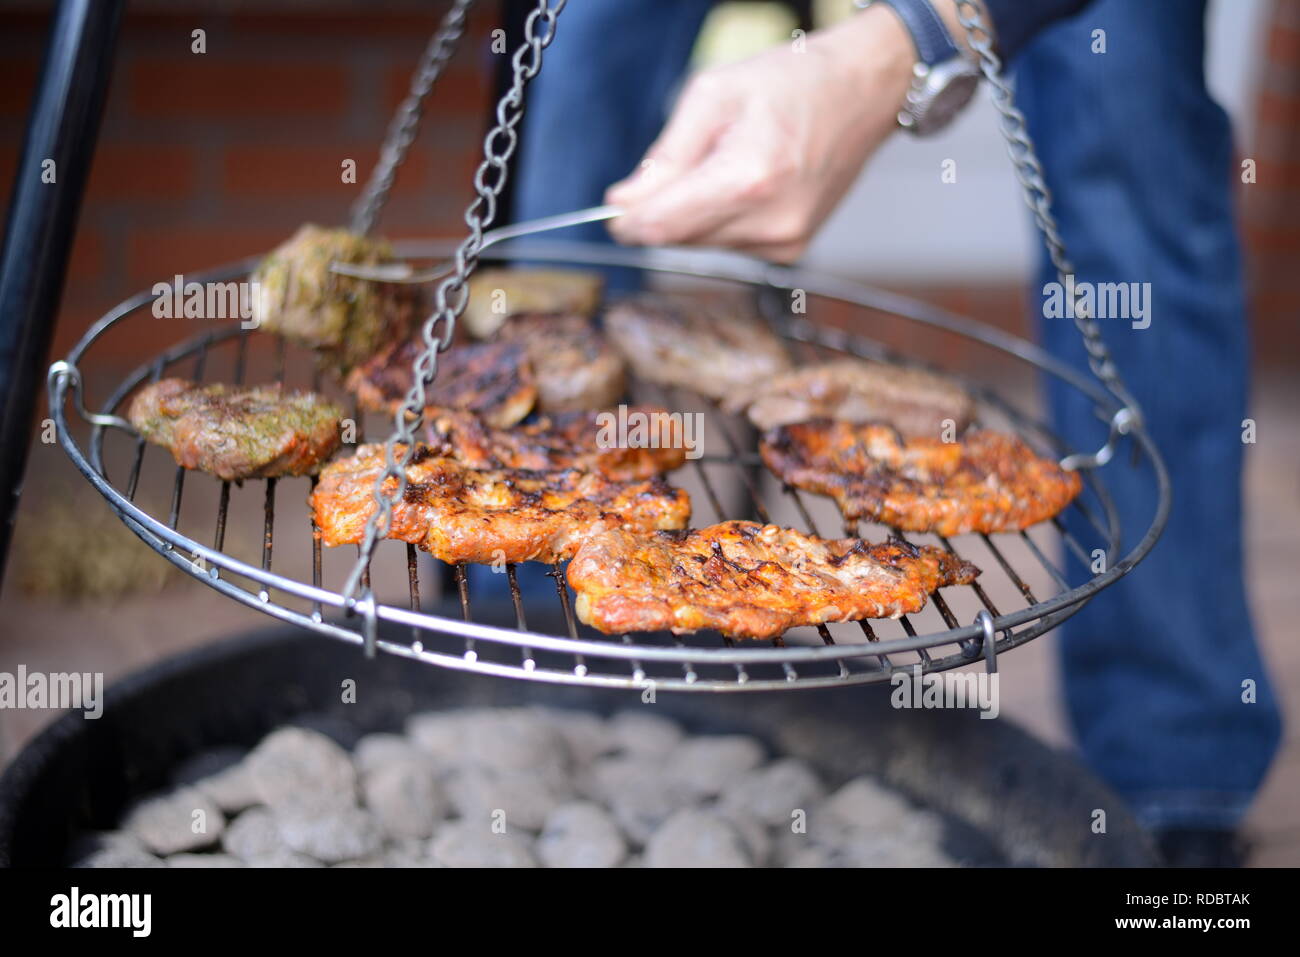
(1005,798)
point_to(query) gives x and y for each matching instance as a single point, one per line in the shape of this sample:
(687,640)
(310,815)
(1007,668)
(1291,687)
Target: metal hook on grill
(1121,423)
(986,643)
(365,606)
(63,369)
(985,621)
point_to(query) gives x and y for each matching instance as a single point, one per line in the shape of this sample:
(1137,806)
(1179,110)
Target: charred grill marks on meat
(492,380)
(459,514)
(571,440)
(986,482)
(748,580)
(575,366)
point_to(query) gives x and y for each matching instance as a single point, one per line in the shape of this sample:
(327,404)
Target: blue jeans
(1138,158)
(1140,163)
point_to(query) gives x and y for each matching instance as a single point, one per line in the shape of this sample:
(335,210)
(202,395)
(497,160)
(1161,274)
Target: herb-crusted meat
(238,432)
(751,581)
(986,482)
(345,320)
(459,514)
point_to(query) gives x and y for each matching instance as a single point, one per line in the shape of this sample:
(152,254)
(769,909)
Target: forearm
(757,153)
(872,51)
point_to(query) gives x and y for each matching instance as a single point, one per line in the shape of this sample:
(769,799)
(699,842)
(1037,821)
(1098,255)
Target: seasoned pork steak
(713,349)
(345,320)
(237,432)
(576,367)
(573,440)
(918,403)
(493,380)
(986,482)
(460,514)
(751,581)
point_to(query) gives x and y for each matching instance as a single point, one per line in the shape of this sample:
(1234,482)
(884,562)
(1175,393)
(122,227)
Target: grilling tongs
(404,274)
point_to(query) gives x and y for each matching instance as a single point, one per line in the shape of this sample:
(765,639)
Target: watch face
(947,88)
(948,102)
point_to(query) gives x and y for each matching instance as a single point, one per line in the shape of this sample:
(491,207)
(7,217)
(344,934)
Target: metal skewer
(403,274)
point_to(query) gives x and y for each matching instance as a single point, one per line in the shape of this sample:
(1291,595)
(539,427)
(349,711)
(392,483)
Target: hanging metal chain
(401,131)
(489,179)
(1030,173)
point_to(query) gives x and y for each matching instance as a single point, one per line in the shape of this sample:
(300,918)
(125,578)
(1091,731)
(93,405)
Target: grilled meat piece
(493,380)
(345,320)
(459,514)
(575,365)
(751,581)
(986,482)
(713,349)
(496,294)
(914,401)
(573,440)
(235,432)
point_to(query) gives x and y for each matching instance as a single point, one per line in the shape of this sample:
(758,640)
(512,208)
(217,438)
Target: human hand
(758,153)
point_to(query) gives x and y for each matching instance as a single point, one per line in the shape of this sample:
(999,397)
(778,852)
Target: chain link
(452,294)
(401,132)
(1039,198)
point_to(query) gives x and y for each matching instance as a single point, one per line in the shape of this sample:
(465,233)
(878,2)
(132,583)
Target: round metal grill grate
(255,543)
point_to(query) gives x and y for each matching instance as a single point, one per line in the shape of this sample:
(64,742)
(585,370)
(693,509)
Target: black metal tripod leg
(56,156)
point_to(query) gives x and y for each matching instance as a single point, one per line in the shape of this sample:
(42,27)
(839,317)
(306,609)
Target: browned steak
(918,403)
(493,380)
(711,348)
(497,294)
(751,581)
(987,482)
(459,514)
(575,366)
(570,440)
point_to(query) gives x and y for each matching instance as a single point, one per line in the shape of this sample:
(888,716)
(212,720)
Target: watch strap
(933,42)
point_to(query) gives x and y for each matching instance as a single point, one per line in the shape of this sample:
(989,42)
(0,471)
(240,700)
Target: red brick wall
(207,158)
(1271,205)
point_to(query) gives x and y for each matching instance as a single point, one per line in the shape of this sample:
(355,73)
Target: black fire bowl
(1025,803)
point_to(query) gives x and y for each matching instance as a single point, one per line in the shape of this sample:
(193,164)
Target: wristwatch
(943,79)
